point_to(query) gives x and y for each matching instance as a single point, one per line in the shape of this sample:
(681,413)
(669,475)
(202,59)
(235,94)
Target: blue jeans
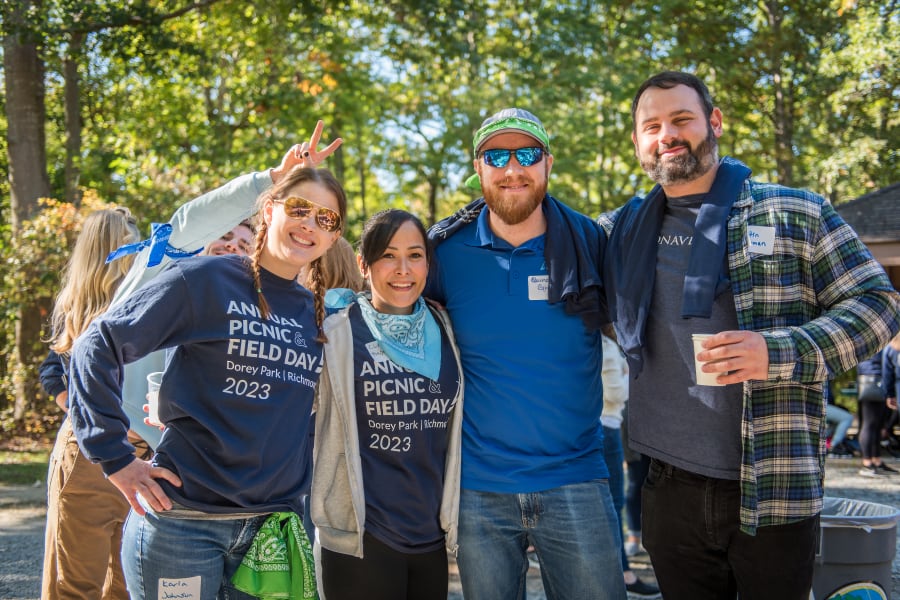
(573,529)
(185,558)
(636,473)
(841,419)
(614,457)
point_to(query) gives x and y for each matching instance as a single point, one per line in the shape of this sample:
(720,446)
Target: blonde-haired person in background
(235,397)
(85,512)
(339,268)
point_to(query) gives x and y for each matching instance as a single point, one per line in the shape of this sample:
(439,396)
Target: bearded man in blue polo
(518,272)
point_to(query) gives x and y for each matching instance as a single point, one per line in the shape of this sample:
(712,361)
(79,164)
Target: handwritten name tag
(538,287)
(185,589)
(760,239)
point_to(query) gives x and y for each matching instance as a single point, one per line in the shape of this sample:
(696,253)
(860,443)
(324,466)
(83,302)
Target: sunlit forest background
(148,103)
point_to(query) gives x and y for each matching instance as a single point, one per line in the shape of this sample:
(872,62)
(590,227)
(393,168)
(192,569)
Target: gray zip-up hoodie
(337,500)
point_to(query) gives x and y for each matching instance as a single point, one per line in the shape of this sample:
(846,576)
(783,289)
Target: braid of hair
(262,232)
(318,289)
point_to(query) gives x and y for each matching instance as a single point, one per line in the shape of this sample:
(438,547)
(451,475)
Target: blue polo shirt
(533,389)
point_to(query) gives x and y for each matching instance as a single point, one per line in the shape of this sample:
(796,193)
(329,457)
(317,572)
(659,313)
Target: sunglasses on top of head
(499,157)
(297,207)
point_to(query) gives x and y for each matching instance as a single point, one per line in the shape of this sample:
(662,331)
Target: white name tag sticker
(376,352)
(179,588)
(761,240)
(538,287)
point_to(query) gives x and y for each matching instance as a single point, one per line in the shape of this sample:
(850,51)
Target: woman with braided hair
(236,396)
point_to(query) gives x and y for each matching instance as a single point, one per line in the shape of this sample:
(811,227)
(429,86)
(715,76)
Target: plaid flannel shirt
(822,303)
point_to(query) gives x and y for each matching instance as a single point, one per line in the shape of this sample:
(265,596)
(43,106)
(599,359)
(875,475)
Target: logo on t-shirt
(376,352)
(676,240)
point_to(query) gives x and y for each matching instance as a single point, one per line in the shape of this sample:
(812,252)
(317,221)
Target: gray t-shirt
(696,428)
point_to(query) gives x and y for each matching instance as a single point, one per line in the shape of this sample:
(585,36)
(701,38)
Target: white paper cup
(153,381)
(701,377)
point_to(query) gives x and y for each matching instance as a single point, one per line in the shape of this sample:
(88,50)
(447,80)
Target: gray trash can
(856,549)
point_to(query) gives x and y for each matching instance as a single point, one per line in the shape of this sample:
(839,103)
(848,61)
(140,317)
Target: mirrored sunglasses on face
(299,208)
(499,157)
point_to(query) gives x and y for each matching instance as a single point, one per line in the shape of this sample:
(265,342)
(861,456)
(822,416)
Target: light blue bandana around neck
(412,341)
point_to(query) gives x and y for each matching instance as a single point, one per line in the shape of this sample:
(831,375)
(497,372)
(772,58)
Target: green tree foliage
(174,97)
(861,115)
(32,261)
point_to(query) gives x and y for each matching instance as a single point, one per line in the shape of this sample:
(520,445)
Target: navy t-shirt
(694,427)
(403,421)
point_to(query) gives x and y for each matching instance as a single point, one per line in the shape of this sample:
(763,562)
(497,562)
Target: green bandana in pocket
(279,564)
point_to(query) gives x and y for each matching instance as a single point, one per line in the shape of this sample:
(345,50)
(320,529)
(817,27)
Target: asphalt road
(22,514)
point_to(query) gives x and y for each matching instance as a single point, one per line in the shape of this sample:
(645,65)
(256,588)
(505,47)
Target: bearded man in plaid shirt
(731,504)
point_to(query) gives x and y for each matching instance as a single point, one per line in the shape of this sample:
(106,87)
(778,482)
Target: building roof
(876,216)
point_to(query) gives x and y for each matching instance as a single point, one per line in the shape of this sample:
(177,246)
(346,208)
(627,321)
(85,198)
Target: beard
(513,211)
(686,167)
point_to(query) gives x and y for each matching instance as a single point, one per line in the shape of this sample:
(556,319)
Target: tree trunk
(73,118)
(432,203)
(782,117)
(25,113)
(28,180)
(362,189)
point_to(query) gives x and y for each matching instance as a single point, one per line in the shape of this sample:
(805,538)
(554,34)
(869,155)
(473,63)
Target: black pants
(384,574)
(692,533)
(872,415)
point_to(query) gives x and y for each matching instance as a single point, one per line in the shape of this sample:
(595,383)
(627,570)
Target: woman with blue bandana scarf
(385,493)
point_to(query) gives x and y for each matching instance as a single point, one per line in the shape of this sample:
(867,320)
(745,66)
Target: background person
(793,298)
(636,467)
(840,420)
(237,241)
(235,398)
(240,242)
(873,414)
(615,395)
(85,512)
(385,493)
(518,273)
(890,371)
(339,269)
